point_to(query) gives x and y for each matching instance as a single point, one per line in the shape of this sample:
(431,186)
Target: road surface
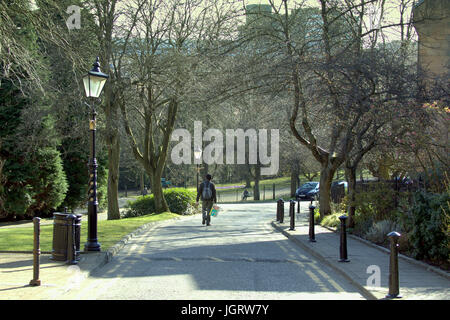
(239,256)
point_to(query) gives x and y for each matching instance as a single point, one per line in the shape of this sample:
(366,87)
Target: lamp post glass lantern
(197,156)
(94,81)
(93,85)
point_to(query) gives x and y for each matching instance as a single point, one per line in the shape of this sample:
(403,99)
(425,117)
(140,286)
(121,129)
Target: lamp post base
(35,283)
(92,246)
(393,296)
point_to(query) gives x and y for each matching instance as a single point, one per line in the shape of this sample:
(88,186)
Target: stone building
(431,18)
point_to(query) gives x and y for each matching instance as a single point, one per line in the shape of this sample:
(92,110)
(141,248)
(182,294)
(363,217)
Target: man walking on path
(207,191)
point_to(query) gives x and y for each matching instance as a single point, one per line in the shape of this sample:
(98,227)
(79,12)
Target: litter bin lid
(64,215)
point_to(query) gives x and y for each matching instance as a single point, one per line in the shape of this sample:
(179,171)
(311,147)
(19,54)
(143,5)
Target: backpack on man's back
(207,192)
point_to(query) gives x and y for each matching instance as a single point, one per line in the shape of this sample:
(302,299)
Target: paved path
(239,257)
(367,261)
(245,254)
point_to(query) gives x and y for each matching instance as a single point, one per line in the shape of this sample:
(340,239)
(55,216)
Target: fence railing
(266,192)
(276,191)
(338,192)
(235,193)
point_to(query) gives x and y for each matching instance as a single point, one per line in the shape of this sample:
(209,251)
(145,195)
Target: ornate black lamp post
(93,85)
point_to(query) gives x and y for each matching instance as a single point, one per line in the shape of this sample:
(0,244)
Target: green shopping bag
(215,211)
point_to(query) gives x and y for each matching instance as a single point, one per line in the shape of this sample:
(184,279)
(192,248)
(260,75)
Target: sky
(392,12)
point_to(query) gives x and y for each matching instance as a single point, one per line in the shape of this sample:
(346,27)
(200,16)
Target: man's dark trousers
(206,210)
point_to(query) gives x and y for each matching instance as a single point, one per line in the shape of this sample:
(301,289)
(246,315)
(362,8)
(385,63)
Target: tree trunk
(248,176)
(157,190)
(113,180)
(326,176)
(248,181)
(257,179)
(141,182)
(383,168)
(113,143)
(351,179)
(106,14)
(294,179)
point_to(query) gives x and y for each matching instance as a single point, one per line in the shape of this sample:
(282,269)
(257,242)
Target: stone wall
(432,23)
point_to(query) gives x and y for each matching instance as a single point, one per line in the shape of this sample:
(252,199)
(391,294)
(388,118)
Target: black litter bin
(60,235)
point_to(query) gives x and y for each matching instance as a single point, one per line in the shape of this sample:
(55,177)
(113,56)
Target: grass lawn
(109,232)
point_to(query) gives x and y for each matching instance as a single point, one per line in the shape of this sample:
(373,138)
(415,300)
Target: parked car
(403,180)
(308,191)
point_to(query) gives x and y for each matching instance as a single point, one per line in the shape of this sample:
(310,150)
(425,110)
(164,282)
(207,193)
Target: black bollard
(343,245)
(292,215)
(71,244)
(281,211)
(278,209)
(36,252)
(298,205)
(273,191)
(312,237)
(394,287)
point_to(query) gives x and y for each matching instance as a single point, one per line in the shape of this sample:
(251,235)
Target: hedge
(179,200)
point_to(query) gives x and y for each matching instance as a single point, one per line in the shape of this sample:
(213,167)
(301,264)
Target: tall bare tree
(169,44)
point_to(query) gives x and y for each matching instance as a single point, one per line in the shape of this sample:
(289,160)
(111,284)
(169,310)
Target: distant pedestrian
(207,192)
(245,195)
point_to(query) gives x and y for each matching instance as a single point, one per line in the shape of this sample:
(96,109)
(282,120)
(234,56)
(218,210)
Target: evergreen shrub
(179,200)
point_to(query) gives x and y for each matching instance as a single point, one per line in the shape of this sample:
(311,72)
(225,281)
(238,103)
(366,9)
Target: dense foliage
(429,218)
(43,148)
(179,200)
(48,183)
(421,217)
